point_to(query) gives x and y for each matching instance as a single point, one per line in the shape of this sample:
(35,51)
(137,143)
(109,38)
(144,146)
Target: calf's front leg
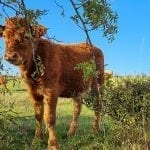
(39,110)
(50,102)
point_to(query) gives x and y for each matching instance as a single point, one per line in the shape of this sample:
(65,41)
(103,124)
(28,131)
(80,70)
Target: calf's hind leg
(98,107)
(76,113)
(96,122)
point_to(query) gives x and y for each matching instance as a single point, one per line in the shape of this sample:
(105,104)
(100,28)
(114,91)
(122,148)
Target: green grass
(17,125)
(17,130)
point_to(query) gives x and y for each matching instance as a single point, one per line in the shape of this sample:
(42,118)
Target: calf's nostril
(14,55)
(11,56)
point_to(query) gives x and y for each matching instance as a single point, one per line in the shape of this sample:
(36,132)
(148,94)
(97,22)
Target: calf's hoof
(72,129)
(71,132)
(38,134)
(53,145)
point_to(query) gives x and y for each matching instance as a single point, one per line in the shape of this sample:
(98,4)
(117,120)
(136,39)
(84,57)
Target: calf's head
(20,39)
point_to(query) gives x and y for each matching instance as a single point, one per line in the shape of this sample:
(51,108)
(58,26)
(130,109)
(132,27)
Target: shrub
(127,96)
(127,102)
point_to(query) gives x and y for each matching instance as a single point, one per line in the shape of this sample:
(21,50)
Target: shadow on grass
(16,132)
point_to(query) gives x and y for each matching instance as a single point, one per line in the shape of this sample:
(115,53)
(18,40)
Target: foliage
(98,13)
(90,100)
(127,101)
(127,96)
(94,14)
(40,68)
(18,6)
(88,68)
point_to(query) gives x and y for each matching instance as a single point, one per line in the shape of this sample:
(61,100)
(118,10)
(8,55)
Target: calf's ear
(38,30)
(41,30)
(2,28)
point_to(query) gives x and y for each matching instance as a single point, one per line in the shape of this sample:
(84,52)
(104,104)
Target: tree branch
(61,7)
(24,9)
(4,4)
(82,21)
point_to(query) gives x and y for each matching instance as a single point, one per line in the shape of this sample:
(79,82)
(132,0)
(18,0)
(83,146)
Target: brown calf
(59,78)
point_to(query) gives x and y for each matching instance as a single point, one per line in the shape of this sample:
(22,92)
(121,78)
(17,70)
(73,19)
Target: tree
(89,15)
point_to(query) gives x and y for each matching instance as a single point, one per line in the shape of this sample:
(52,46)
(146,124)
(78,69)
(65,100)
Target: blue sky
(130,51)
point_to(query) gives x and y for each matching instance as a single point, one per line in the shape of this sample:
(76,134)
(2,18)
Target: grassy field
(17,126)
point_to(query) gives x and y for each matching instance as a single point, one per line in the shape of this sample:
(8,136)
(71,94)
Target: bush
(127,102)
(127,96)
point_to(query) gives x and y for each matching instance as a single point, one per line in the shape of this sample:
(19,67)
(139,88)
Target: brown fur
(60,79)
